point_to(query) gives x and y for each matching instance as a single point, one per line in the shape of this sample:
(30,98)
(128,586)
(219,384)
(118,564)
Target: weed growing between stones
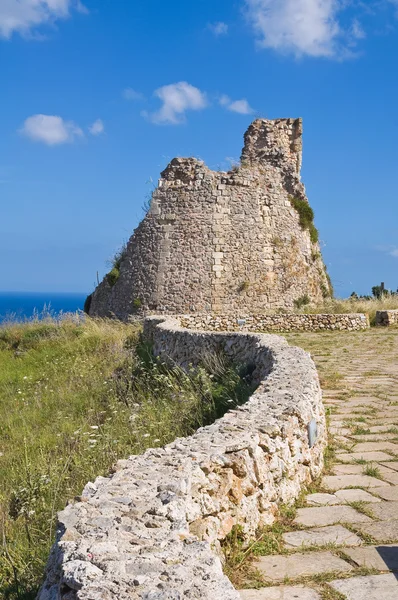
(75,396)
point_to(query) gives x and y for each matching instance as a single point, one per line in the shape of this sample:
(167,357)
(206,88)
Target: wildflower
(93,426)
(146,435)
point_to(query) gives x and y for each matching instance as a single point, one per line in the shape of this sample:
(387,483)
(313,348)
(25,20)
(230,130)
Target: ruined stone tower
(216,242)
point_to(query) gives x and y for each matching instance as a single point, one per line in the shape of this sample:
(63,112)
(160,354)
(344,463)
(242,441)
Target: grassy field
(74,397)
(352,305)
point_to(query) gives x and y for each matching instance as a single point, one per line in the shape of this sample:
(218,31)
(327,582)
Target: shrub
(302,301)
(137,303)
(113,276)
(306,217)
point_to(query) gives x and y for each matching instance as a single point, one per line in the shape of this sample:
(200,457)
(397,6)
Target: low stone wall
(281,323)
(152,529)
(387,317)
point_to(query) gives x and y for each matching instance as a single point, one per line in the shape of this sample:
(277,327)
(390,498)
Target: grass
(352,305)
(372,471)
(75,396)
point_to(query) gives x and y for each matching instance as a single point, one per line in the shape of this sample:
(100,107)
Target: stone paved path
(344,541)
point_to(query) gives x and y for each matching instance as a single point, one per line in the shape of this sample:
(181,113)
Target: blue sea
(23,305)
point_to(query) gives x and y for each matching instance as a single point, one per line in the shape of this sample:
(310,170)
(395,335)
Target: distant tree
(354,296)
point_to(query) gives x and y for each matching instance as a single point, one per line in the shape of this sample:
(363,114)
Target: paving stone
(391,465)
(368,456)
(277,568)
(338,482)
(373,437)
(375,446)
(371,587)
(356,496)
(382,558)
(328,515)
(379,428)
(347,469)
(322,499)
(386,511)
(281,592)
(339,430)
(321,536)
(390,476)
(381,531)
(387,493)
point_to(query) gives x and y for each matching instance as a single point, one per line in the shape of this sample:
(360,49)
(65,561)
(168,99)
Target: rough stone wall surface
(151,531)
(387,317)
(221,242)
(281,322)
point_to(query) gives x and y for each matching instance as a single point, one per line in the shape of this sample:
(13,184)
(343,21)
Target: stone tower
(234,242)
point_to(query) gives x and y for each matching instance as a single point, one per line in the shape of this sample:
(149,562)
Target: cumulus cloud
(219,28)
(177,99)
(23,16)
(303,27)
(97,127)
(130,94)
(239,106)
(394,252)
(50,130)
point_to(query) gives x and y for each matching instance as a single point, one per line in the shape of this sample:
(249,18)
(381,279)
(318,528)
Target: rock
(321,536)
(277,568)
(328,515)
(281,593)
(382,558)
(322,499)
(372,587)
(356,496)
(381,531)
(387,493)
(337,482)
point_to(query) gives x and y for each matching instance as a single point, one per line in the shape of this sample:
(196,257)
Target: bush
(306,217)
(302,301)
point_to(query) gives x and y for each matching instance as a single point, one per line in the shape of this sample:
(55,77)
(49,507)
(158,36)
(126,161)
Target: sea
(19,306)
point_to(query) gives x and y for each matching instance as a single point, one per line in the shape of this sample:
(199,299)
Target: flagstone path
(344,539)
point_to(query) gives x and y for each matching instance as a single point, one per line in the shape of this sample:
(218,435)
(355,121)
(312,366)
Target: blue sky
(97,96)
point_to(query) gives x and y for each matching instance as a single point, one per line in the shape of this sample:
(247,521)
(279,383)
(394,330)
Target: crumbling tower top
(277,142)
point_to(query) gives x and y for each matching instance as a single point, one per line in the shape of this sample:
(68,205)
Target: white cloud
(97,127)
(50,130)
(394,252)
(130,94)
(177,98)
(23,16)
(303,27)
(239,106)
(218,28)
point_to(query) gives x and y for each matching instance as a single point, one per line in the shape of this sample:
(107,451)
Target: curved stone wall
(152,529)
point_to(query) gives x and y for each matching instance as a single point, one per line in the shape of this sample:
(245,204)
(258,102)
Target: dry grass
(339,306)
(76,395)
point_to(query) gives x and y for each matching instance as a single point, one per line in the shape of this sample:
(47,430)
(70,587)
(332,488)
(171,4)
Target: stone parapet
(387,317)
(152,529)
(281,322)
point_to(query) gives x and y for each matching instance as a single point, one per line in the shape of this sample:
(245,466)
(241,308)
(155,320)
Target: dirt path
(342,541)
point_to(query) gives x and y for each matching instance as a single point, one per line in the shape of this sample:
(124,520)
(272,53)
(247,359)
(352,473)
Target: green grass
(372,471)
(74,398)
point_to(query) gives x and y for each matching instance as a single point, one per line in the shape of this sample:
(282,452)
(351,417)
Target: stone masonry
(223,242)
(280,322)
(387,317)
(151,530)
